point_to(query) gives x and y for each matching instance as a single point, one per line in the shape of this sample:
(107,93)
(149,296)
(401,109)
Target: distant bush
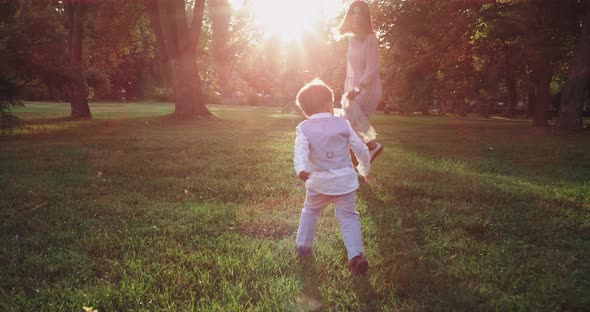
(388,108)
(163,94)
(212,96)
(282,99)
(252,98)
(463,109)
(99,84)
(8,99)
(483,109)
(287,102)
(34,93)
(405,107)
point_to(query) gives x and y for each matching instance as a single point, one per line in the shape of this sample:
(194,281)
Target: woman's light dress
(362,68)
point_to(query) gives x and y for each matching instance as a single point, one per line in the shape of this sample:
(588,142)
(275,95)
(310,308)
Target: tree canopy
(510,57)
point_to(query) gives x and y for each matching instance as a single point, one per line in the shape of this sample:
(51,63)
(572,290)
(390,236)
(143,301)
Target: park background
(182,195)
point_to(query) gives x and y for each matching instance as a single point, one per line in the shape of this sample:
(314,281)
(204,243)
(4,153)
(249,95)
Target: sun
(289,19)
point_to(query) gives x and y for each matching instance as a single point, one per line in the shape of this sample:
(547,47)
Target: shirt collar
(320,115)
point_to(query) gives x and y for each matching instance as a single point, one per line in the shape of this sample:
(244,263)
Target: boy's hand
(303,175)
(367,179)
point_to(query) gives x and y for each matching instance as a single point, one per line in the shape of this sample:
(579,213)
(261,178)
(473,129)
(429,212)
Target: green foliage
(287,103)
(473,47)
(115,31)
(164,94)
(276,67)
(461,49)
(138,69)
(252,98)
(34,92)
(98,83)
(32,47)
(8,100)
(212,96)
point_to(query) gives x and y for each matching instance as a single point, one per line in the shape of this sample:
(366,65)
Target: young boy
(322,160)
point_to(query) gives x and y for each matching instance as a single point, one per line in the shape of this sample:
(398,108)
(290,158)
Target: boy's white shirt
(335,181)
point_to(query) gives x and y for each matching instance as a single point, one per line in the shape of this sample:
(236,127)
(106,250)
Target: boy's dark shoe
(358,265)
(376,151)
(303,251)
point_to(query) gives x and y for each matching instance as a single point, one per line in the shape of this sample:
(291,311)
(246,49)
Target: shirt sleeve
(372,61)
(301,151)
(361,151)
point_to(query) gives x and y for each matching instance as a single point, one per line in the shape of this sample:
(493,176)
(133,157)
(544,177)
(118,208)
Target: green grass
(134,211)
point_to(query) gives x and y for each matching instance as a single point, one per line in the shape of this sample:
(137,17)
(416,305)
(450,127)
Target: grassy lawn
(133,211)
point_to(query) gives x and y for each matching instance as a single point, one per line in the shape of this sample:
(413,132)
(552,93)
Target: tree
(105,36)
(492,47)
(7,101)
(33,45)
(425,41)
(179,45)
(19,65)
(220,13)
(578,81)
(535,37)
(63,46)
(78,88)
(118,49)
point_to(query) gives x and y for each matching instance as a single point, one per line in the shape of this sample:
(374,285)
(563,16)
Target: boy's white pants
(345,208)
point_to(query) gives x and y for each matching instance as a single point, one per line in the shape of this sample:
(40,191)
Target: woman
(362,87)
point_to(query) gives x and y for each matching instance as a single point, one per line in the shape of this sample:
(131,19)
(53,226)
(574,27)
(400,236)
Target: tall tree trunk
(78,89)
(531,101)
(180,42)
(220,12)
(574,92)
(512,96)
(187,86)
(490,108)
(543,97)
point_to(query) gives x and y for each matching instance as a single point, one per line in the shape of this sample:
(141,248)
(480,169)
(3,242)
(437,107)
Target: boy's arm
(301,154)
(361,151)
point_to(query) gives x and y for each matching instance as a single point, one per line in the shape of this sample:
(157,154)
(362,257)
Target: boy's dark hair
(312,97)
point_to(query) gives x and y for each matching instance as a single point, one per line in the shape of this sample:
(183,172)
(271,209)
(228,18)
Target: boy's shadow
(311,298)
(408,270)
(368,297)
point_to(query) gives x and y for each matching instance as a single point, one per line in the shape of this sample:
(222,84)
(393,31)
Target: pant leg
(350,225)
(314,204)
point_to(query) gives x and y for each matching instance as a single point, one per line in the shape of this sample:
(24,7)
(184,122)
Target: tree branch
(196,25)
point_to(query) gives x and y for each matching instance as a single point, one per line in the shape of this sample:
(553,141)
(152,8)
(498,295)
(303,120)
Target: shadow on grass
(368,296)
(469,241)
(311,297)
(52,120)
(414,276)
(68,126)
(508,149)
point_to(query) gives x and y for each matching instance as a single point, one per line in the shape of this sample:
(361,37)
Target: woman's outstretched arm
(372,67)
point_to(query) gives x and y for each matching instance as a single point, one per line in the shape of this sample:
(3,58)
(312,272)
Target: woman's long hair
(366,25)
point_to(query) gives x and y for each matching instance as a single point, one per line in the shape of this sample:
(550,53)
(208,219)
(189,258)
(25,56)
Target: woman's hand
(351,95)
(355,92)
